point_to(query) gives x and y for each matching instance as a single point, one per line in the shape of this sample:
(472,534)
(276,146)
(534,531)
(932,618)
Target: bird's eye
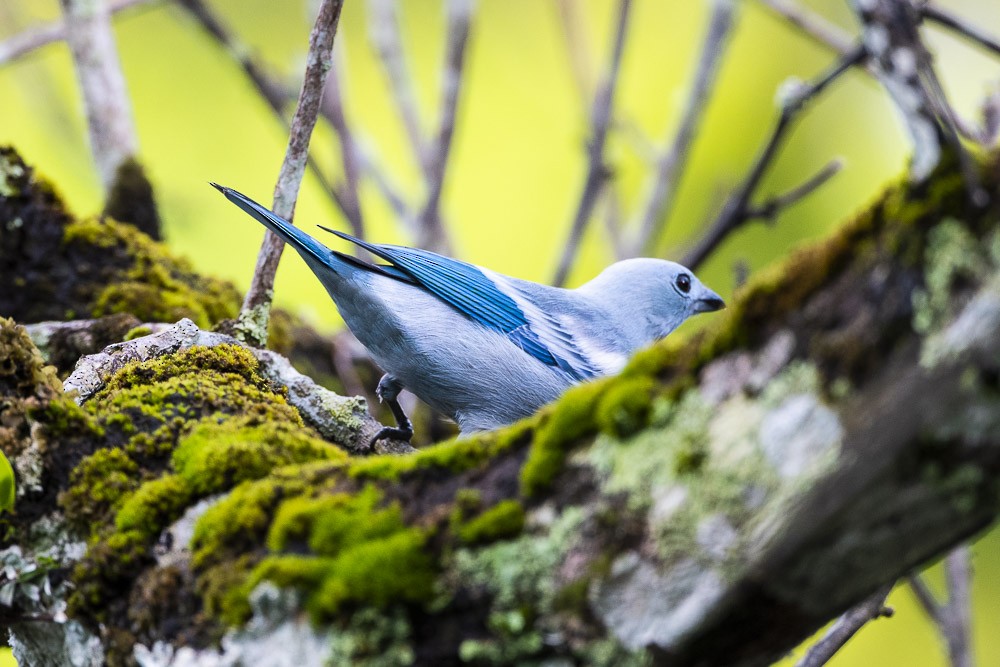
(683,283)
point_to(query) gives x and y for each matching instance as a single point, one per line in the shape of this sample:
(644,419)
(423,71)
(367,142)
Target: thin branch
(846,627)
(812,24)
(332,108)
(671,164)
(958,572)
(954,617)
(257,304)
(432,234)
(597,171)
(613,222)
(962,27)
(386,37)
(926,598)
(735,211)
(105,97)
(35,38)
(770,208)
(580,56)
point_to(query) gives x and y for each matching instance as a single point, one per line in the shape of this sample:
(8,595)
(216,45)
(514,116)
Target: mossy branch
(716,503)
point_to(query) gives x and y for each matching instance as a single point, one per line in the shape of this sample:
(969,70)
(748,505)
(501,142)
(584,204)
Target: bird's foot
(388,391)
(391,433)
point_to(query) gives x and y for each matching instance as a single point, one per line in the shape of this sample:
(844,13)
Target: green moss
(328,524)
(155,286)
(568,421)
(155,505)
(106,567)
(503,520)
(228,359)
(625,407)
(239,522)
(138,332)
(97,487)
(453,456)
(219,454)
(378,572)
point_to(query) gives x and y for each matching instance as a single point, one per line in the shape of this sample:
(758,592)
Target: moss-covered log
(714,504)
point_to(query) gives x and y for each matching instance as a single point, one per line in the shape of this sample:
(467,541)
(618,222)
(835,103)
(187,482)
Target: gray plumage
(483,348)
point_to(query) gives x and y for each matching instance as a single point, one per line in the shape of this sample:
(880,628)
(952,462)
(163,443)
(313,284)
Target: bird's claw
(390,433)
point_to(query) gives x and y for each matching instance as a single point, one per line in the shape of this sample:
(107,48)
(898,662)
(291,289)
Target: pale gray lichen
(518,575)
(9,171)
(644,604)
(799,435)
(952,252)
(251,325)
(275,630)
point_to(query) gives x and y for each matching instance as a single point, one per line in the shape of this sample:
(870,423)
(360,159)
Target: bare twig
(736,210)
(387,39)
(32,39)
(846,627)
(962,27)
(614,223)
(812,24)
(905,68)
(671,164)
(597,171)
(256,309)
(105,98)
(333,110)
(770,208)
(580,56)
(431,232)
(990,128)
(954,617)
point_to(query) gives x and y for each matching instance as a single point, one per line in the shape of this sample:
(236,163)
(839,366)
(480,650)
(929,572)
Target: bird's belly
(473,374)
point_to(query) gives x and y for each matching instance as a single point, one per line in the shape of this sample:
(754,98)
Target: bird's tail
(307,246)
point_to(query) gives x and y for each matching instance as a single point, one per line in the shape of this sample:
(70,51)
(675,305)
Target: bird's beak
(709,302)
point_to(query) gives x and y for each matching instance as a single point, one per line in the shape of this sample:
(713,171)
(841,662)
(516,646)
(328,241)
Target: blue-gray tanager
(484,348)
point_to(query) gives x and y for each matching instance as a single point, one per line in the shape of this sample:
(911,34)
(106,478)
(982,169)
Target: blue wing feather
(464,287)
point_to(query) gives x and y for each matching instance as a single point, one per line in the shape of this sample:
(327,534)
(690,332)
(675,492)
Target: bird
(482,348)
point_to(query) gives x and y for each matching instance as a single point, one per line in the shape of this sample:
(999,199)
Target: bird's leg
(387,391)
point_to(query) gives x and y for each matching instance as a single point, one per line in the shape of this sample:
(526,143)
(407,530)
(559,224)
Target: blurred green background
(518,158)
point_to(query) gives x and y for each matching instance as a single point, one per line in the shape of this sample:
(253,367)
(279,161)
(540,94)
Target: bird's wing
(490,300)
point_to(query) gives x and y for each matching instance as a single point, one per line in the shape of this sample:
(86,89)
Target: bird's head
(652,295)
